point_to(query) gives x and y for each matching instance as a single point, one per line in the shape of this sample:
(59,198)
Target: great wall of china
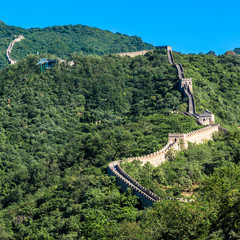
(176,141)
(18,39)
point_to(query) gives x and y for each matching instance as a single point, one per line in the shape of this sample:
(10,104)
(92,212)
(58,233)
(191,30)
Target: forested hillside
(62,127)
(64,40)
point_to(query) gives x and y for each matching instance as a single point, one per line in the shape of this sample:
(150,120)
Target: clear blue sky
(188,26)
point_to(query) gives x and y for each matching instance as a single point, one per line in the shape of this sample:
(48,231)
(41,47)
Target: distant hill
(64,40)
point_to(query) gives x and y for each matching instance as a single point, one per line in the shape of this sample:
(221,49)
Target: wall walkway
(18,39)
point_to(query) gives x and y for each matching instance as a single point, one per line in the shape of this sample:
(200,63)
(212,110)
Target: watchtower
(188,82)
(206,118)
(178,137)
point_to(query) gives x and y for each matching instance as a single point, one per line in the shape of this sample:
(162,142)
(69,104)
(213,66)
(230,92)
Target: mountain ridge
(65,40)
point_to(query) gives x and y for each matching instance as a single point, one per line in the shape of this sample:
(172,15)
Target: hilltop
(64,40)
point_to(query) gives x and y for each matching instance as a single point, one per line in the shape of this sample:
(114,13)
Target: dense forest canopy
(63,126)
(64,40)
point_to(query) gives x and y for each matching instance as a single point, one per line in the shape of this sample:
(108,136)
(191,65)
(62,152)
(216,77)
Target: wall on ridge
(186,86)
(18,39)
(176,141)
(146,197)
(197,137)
(186,81)
(133,54)
(156,158)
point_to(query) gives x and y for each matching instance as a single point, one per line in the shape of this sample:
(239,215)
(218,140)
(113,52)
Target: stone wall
(155,158)
(186,86)
(180,71)
(191,101)
(176,141)
(133,54)
(170,55)
(197,137)
(147,198)
(18,39)
(203,134)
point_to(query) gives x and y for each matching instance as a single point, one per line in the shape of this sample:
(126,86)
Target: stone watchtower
(188,82)
(180,138)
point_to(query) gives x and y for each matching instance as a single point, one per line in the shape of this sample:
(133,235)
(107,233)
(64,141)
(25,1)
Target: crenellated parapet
(191,101)
(196,137)
(134,54)
(156,158)
(180,70)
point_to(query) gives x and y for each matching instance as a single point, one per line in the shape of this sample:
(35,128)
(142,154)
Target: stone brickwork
(156,158)
(173,137)
(124,180)
(197,137)
(202,135)
(180,71)
(170,55)
(206,118)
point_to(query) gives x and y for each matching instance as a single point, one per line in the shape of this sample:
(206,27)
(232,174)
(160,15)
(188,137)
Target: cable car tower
(46,64)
